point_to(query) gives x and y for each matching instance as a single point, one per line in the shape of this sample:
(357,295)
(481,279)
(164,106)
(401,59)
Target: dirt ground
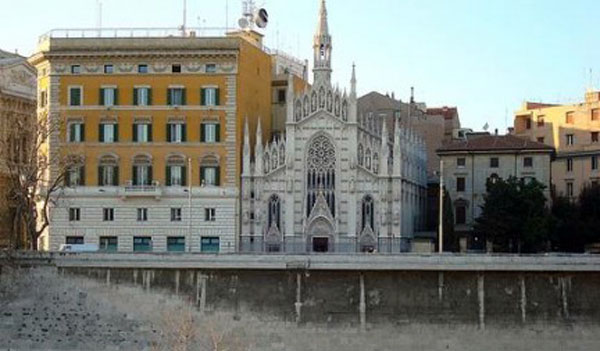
(41,310)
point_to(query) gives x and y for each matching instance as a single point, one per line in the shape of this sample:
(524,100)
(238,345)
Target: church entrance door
(320,244)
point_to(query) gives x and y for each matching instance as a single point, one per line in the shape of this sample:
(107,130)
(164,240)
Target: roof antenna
(99,17)
(184,18)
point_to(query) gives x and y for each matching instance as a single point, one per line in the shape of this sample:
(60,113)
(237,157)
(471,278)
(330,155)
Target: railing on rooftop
(136,32)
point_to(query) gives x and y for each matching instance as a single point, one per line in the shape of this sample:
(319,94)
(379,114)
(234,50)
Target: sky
(485,57)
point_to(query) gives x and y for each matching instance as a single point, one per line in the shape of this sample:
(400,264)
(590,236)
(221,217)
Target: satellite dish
(261,18)
(243,23)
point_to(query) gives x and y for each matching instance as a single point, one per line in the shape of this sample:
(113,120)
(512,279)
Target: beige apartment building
(469,163)
(573,130)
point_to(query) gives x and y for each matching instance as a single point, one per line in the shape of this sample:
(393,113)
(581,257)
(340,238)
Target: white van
(78,248)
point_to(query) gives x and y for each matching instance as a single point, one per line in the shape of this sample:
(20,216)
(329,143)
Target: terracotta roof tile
(494,143)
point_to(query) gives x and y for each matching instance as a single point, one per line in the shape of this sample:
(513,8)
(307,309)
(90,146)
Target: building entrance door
(320,244)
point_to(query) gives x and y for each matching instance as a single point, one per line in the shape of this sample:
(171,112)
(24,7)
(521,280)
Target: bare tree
(35,175)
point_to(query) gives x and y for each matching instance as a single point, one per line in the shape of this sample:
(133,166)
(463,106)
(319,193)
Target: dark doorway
(320,244)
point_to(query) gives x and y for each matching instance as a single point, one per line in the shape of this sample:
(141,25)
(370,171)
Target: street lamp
(441,210)
(190,204)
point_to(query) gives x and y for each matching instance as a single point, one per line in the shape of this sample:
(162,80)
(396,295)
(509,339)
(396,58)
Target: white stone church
(335,182)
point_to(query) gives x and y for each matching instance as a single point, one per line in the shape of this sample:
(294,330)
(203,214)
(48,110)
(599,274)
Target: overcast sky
(485,57)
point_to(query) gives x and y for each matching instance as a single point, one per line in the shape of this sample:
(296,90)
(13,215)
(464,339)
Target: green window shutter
(82,132)
(101,132)
(183,133)
(134,133)
(217,96)
(184,176)
(134,175)
(149,133)
(149,96)
(202,175)
(72,132)
(218,132)
(168,132)
(101,97)
(100,172)
(116,176)
(116,97)
(82,175)
(135,96)
(218,176)
(202,138)
(168,176)
(116,133)
(169,102)
(203,97)
(183,96)
(150,175)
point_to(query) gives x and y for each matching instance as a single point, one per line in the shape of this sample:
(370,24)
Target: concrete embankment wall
(371,297)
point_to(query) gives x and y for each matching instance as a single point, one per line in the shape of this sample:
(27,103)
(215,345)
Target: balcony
(130,190)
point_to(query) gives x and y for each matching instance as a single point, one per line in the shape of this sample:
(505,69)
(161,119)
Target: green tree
(589,212)
(514,215)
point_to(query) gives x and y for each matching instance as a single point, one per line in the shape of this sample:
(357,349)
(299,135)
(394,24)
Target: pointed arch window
(298,110)
(345,110)
(361,155)
(320,178)
(322,98)
(275,212)
(375,163)
(313,102)
(368,218)
(368,159)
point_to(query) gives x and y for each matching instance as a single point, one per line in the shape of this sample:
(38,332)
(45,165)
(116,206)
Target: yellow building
(147,119)
(573,130)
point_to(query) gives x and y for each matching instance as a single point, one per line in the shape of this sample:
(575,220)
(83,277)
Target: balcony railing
(135,32)
(131,190)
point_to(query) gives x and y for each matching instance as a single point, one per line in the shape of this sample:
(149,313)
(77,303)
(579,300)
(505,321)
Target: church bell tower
(322,49)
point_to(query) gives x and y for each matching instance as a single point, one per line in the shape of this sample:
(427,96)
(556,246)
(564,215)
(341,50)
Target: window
(540,140)
(142,171)
(75,176)
(142,96)
(528,123)
(461,214)
(281,94)
(209,244)
(43,99)
(494,162)
(176,68)
(570,117)
(109,243)
(528,162)
(176,132)
(210,132)
(108,171)
(108,214)
(596,114)
(108,132)
(76,132)
(176,244)
(461,162)
(368,213)
(176,172)
(142,68)
(209,214)
(176,96)
(176,215)
(108,69)
(570,189)
(142,132)
(594,163)
(74,240)
(211,68)
(540,121)
(109,97)
(570,139)
(74,214)
(75,96)
(209,96)
(210,172)
(594,136)
(569,164)
(75,69)
(142,244)
(460,184)
(142,214)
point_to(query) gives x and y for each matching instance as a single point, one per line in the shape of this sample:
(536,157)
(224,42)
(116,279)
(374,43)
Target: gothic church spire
(322,49)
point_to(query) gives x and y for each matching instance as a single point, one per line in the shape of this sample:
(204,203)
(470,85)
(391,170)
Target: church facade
(335,181)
